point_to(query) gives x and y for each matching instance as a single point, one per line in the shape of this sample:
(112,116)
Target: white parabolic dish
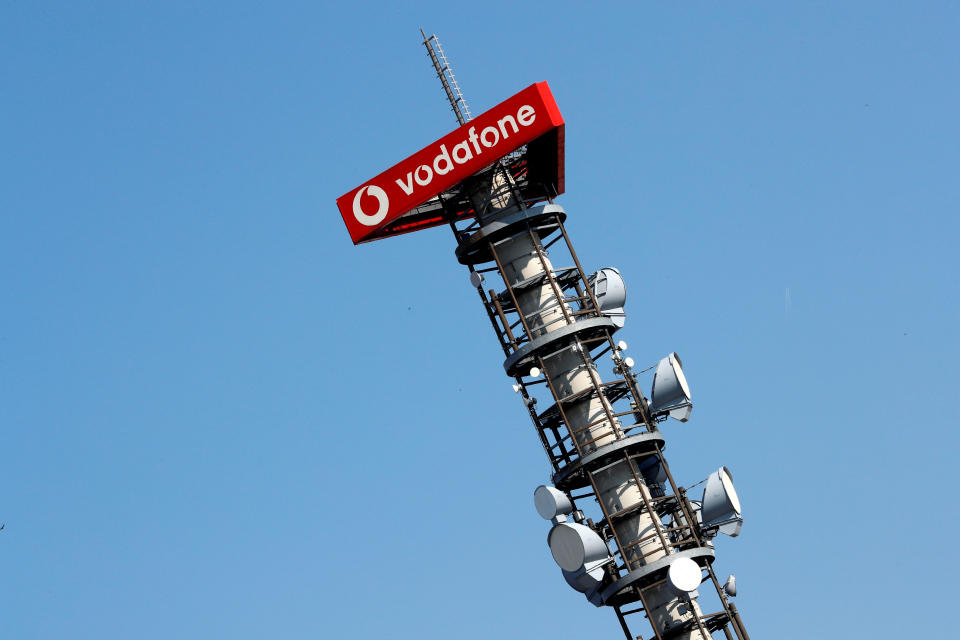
(720,500)
(684,575)
(551,502)
(574,545)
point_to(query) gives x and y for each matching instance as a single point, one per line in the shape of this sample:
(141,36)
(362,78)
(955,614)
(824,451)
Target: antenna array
(449,81)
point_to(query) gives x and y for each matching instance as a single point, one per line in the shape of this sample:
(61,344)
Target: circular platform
(648,574)
(475,248)
(523,358)
(574,476)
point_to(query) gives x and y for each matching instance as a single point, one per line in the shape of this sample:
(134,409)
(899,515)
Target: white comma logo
(384,205)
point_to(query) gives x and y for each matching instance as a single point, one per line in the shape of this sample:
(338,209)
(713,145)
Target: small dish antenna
(576,545)
(671,393)
(611,293)
(684,577)
(730,586)
(551,502)
(720,504)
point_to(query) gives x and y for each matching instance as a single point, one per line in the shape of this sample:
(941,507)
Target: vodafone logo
(396,195)
(471,146)
(383,205)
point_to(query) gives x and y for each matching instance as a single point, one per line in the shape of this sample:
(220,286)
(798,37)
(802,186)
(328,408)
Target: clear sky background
(219,419)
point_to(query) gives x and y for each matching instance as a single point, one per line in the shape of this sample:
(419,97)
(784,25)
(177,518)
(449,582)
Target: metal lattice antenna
(449,81)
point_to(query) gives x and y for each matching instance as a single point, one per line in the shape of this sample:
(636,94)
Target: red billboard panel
(531,114)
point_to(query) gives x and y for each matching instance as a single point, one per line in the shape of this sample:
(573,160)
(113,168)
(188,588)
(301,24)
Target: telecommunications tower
(624,534)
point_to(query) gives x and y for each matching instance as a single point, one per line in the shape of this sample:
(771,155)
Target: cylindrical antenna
(449,81)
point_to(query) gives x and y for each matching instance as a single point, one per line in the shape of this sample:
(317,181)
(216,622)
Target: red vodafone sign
(517,121)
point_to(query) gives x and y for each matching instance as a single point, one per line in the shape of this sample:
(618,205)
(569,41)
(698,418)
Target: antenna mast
(449,81)
(624,533)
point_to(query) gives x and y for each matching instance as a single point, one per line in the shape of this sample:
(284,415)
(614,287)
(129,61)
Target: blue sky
(219,419)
